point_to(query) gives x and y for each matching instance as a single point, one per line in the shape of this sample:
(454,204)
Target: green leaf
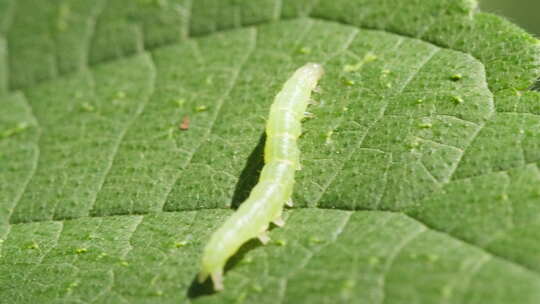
(420,179)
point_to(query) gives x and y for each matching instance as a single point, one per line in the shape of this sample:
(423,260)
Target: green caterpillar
(267,199)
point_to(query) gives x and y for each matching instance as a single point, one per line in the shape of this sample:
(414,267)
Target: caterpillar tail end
(279,222)
(264,238)
(216,277)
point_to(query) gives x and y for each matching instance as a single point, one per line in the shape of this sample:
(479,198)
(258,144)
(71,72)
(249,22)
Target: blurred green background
(525,13)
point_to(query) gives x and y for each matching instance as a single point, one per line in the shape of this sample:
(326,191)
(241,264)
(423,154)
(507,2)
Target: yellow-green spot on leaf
(413,143)
(425,125)
(304,50)
(281,242)
(504,197)
(348,82)
(102,255)
(456,77)
(71,286)
(457,99)
(124,263)
(352,67)
(329,137)
(201,108)
(179,102)
(33,245)
(120,94)
(419,101)
(81,250)
(369,57)
(19,128)
(91,236)
(180,244)
(87,107)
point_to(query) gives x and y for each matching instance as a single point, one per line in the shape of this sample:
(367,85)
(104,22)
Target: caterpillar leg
(309,115)
(289,203)
(264,238)
(216,276)
(217,279)
(279,221)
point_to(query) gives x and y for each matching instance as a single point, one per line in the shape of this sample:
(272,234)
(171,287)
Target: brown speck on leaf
(184,126)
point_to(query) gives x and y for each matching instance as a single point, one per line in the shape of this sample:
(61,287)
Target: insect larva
(267,199)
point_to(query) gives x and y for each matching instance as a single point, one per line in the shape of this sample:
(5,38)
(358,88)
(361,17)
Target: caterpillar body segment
(267,199)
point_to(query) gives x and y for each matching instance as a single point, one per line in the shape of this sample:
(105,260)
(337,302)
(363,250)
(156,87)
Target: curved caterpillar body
(267,199)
